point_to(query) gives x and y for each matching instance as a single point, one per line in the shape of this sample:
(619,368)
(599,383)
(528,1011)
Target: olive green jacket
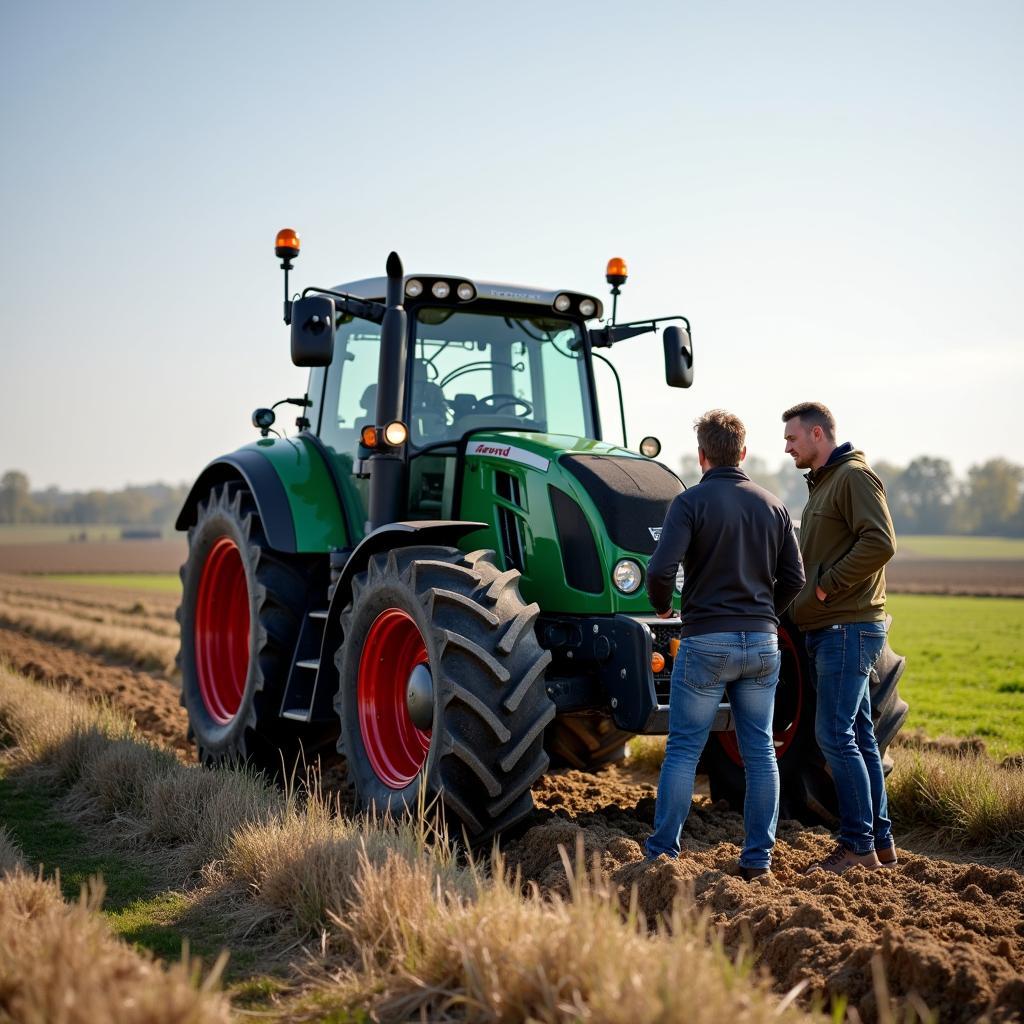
(846,537)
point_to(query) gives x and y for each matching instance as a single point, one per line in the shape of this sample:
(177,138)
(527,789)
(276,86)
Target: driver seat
(428,409)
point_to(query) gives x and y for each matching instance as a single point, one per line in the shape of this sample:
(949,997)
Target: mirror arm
(618,385)
(605,337)
(365,309)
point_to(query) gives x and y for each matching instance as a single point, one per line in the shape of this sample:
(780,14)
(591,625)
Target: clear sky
(831,192)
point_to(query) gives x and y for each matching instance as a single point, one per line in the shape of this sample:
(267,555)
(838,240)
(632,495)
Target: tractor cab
(472,363)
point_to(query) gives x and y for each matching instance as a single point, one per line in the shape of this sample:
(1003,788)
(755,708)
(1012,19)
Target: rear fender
(296,494)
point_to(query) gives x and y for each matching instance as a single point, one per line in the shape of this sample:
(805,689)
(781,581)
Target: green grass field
(995,548)
(965,666)
(48,533)
(165,582)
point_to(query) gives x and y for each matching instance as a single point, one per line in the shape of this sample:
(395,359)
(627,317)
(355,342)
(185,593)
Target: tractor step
(297,701)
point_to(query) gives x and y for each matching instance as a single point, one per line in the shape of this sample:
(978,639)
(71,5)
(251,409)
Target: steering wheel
(500,399)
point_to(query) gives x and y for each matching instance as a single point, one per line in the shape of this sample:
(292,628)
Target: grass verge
(968,801)
(161,582)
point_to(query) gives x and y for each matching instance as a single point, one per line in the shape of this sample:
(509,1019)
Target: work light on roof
(465,291)
(562,303)
(587,307)
(441,289)
(413,288)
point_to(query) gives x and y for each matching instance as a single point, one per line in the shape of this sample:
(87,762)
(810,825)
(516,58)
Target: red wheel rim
(396,748)
(787,712)
(222,631)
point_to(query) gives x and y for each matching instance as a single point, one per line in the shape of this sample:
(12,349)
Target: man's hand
(666,615)
(820,594)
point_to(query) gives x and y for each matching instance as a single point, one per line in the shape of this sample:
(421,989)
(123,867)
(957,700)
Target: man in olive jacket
(846,537)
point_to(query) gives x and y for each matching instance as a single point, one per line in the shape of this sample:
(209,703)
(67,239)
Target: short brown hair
(720,436)
(813,414)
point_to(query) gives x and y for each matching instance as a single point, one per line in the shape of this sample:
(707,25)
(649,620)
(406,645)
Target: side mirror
(678,357)
(313,330)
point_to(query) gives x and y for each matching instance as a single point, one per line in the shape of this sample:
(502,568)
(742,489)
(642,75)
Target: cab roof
(376,288)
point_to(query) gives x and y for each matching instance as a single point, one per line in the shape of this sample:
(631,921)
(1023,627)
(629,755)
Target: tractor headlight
(465,291)
(396,433)
(441,289)
(627,576)
(587,307)
(562,303)
(413,288)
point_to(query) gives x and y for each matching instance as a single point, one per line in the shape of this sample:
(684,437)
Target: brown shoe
(841,859)
(887,856)
(749,874)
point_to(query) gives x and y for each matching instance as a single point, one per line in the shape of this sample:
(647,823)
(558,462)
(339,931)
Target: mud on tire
(241,609)
(463,618)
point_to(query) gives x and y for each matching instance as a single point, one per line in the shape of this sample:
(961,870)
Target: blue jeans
(842,658)
(747,665)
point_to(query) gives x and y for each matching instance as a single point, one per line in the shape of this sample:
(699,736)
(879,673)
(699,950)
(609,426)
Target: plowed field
(949,930)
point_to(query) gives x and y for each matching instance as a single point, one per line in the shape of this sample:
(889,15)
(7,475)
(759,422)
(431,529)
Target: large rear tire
(240,613)
(807,790)
(452,630)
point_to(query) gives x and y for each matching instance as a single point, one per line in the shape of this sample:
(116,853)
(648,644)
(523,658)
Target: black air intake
(580,560)
(632,495)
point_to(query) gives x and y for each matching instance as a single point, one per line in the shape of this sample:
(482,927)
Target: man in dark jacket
(846,537)
(741,567)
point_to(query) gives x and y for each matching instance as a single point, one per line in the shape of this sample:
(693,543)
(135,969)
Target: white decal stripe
(496,450)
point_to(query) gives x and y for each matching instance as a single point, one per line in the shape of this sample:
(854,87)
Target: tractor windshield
(472,370)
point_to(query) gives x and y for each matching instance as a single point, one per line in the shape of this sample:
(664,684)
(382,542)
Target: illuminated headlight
(627,576)
(465,291)
(587,307)
(562,303)
(651,447)
(679,579)
(441,289)
(395,433)
(413,287)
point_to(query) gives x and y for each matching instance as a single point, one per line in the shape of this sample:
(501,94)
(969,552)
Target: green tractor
(442,574)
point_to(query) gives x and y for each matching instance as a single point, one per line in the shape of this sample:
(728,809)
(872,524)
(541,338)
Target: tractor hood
(567,503)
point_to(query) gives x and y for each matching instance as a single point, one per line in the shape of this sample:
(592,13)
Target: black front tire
(489,702)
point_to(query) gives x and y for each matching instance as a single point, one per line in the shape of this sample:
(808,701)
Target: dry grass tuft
(426,951)
(11,858)
(58,962)
(971,801)
(138,793)
(647,752)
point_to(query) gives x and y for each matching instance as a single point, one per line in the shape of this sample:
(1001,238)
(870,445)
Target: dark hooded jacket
(846,537)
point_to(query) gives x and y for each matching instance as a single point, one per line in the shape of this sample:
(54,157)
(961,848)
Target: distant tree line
(153,505)
(924,497)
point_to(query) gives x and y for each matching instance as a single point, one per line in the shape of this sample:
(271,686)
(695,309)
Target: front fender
(297,496)
(394,535)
